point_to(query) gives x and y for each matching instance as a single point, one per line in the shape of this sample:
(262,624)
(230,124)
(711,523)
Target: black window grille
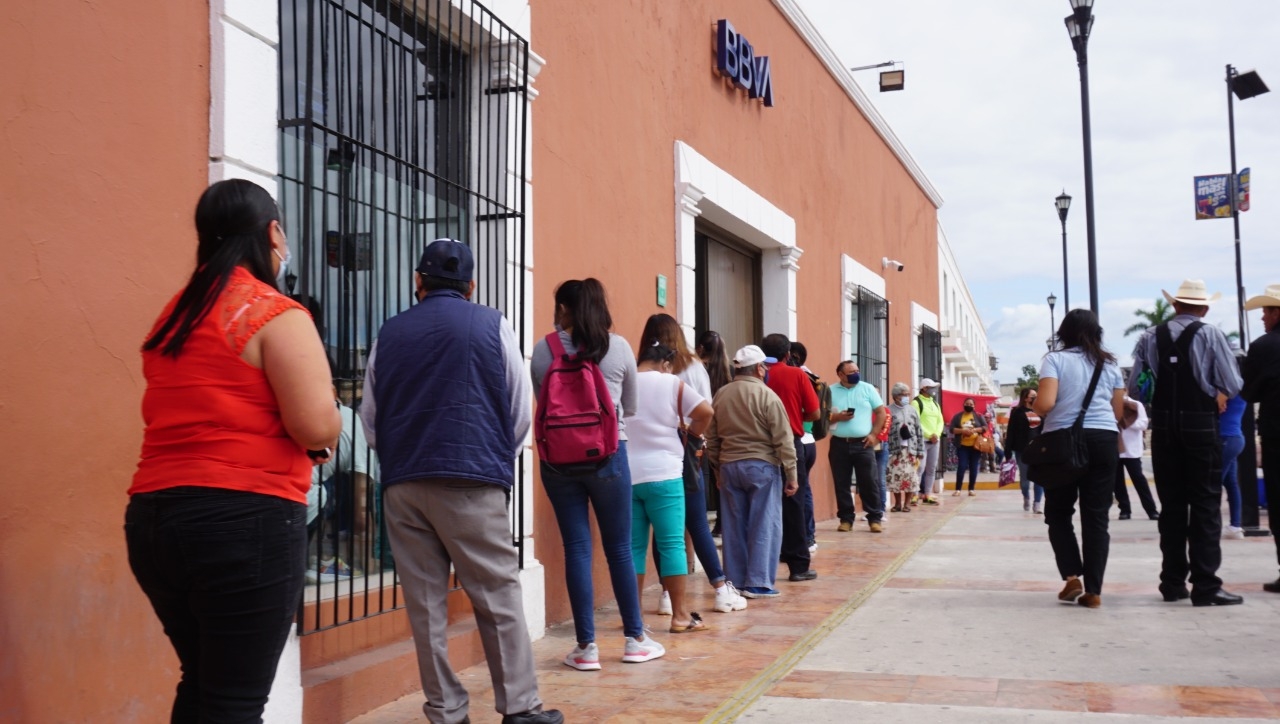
(930,353)
(870,324)
(401,121)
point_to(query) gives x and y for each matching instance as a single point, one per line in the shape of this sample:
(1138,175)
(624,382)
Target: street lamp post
(1079,24)
(1063,202)
(1053,325)
(1244,86)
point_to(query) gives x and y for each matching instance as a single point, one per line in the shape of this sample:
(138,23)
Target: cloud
(991,111)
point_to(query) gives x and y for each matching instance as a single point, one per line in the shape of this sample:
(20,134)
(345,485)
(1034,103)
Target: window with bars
(870,338)
(401,121)
(930,353)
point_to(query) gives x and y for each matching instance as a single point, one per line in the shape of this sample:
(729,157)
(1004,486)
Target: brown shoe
(845,526)
(1072,591)
(876,527)
(1090,600)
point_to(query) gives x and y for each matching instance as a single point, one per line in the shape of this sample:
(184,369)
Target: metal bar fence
(401,121)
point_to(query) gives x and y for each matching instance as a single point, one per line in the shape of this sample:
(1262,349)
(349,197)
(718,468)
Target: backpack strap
(1088,395)
(556,346)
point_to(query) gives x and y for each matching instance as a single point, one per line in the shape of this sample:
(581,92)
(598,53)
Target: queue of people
(633,440)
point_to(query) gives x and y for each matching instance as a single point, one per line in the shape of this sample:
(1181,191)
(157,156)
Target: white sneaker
(813,548)
(728,599)
(638,652)
(584,659)
(664,606)
(1232,531)
(1035,508)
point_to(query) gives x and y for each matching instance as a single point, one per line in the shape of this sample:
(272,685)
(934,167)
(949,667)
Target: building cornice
(794,15)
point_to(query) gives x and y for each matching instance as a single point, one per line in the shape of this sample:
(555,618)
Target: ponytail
(587,307)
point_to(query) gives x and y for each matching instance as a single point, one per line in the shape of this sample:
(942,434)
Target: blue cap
(448,259)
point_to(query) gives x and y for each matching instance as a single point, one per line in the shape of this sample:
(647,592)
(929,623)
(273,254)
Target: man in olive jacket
(751,448)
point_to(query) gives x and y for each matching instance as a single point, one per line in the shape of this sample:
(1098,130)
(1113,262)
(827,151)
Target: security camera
(887,263)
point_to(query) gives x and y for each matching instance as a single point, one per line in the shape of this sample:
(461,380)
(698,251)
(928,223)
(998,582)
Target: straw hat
(1270,299)
(1192,291)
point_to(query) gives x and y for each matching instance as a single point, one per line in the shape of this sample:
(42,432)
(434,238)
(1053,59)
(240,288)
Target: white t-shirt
(653,443)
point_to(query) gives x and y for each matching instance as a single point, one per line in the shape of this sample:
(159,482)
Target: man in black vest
(447,404)
(1262,385)
(1194,376)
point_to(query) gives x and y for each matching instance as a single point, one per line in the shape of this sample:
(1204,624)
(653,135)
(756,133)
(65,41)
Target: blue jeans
(695,522)
(223,570)
(751,521)
(608,490)
(967,459)
(660,504)
(1231,449)
(1026,483)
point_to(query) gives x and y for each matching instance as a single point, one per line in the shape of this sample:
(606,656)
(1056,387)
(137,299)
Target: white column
(687,212)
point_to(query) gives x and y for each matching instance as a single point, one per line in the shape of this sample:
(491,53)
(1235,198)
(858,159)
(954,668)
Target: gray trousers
(436,521)
(929,466)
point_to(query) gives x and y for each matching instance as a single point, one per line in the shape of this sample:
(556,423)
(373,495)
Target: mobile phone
(317,454)
(851,410)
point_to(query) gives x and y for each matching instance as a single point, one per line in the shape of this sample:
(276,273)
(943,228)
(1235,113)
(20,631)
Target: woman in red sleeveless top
(238,391)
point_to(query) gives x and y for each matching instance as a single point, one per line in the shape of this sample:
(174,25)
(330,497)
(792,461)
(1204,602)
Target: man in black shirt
(1262,385)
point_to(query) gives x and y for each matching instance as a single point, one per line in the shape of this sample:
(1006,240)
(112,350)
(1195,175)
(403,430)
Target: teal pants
(662,504)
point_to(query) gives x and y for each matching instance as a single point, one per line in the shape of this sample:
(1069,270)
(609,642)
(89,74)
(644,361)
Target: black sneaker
(808,575)
(548,716)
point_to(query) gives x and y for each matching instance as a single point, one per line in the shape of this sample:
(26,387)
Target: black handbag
(1057,459)
(692,448)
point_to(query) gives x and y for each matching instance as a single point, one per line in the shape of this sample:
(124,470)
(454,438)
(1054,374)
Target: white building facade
(967,362)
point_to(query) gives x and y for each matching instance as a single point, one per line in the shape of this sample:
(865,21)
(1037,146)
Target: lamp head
(1079,26)
(1248,84)
(1063,202)
(1053,300)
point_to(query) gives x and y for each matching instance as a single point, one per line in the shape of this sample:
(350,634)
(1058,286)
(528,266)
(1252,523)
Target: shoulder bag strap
(1088,396)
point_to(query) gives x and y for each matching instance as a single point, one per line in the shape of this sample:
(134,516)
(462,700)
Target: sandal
(695,624)
(906,508)
(896,509)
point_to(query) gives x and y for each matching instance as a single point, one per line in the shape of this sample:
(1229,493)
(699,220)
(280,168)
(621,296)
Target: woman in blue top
(1064,378)
(1232,446)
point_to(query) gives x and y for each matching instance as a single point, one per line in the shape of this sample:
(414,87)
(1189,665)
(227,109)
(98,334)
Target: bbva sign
(736,60)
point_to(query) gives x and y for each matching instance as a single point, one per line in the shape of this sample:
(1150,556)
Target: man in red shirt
(795,390)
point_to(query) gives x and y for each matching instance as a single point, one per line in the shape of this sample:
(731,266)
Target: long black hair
(656,353)
(1080,330)
(233,221)
(715,358)
(588,311)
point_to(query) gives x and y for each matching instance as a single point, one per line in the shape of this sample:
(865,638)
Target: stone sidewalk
(949,615)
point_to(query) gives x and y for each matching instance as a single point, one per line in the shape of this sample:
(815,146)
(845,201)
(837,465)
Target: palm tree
(1162,313)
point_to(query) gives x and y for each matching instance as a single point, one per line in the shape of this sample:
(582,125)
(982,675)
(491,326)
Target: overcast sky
(991,111)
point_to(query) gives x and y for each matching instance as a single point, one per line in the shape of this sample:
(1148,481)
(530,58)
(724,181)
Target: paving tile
(1013,649)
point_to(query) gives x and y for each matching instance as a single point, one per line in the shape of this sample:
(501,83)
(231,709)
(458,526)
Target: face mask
(854,378)
(902,401)
(281,284)
(968,408)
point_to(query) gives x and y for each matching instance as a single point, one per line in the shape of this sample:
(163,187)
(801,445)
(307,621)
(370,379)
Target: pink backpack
(576,421)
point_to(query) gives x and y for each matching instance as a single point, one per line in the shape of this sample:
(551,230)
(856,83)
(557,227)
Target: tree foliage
(1161,313)
(1029,378)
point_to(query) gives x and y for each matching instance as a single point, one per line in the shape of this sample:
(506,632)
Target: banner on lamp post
(1242,190)
(1213,197)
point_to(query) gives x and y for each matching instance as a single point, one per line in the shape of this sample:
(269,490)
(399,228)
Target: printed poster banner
(1242,200)
(1211,197)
